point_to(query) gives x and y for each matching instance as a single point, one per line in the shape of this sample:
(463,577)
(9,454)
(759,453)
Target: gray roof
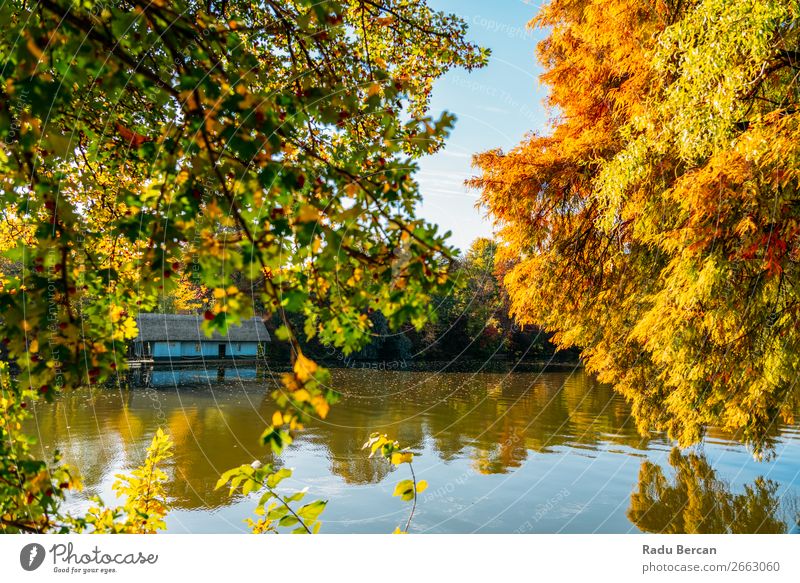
(186,328)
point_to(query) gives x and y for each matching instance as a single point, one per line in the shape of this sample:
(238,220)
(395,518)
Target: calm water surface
(525,452)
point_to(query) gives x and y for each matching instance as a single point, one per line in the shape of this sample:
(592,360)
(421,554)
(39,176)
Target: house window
(197,347)
(239,347)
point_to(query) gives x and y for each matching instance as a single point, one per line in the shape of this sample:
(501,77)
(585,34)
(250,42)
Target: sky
(495,107)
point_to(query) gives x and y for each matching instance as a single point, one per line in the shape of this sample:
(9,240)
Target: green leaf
(265,497)
(249,486)
(297,496)
(225,477)
(311,512)
(274,479)
(276,512)
(282,333)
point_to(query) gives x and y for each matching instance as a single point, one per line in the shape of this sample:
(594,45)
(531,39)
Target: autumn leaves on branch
(656,227)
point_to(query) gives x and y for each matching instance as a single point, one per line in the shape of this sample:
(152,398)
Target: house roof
(186,328)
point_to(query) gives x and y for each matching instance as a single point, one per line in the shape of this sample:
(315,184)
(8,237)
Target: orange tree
(656,225)
(148,142)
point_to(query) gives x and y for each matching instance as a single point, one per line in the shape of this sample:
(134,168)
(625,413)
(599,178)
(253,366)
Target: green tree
(478,299)
(145,140)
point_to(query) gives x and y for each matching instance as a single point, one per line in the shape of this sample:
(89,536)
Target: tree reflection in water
(488,441)
(696,501)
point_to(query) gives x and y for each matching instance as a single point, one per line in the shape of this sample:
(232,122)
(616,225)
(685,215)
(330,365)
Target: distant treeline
(449,339)
(473,324)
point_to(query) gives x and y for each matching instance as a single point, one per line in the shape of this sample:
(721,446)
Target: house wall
(249,349)
(178,350)
(166,349)
(199,349)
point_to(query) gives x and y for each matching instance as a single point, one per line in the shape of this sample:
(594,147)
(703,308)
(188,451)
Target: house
(180,337)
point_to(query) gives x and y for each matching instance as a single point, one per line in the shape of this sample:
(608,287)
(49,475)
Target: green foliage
(274,509)
(290,164)
(267,147)
(396,455)
(478,297)
(472,322)
(30,489)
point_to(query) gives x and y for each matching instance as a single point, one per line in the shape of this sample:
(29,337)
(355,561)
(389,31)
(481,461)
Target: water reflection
(520,438)
(697,501)
(495,420)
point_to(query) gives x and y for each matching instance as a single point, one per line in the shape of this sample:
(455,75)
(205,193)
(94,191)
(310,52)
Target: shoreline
(376,365)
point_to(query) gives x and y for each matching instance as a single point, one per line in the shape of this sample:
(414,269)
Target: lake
(547,452)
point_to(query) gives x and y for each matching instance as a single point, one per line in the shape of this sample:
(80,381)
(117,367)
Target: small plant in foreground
(274,509)
(396,455)
(146,503)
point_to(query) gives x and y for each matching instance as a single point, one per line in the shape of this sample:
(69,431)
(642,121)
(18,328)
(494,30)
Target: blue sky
(495,106)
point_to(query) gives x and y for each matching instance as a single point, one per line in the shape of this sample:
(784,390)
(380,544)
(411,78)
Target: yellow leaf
(129,329)
(422,485)
(116,313)
(277,419)
(301,395)
(304,367)
(321,406)
(402,457)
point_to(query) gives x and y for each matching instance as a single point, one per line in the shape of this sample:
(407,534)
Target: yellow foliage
(146,502)
(655,226)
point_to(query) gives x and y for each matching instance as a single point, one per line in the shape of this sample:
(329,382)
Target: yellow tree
(656,226)
(696,501)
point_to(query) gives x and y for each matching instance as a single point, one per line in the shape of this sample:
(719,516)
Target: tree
(698,502)
(479,300)
(142,141)
(656,227)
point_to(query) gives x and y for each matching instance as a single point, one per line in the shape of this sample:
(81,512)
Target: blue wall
(199,350)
